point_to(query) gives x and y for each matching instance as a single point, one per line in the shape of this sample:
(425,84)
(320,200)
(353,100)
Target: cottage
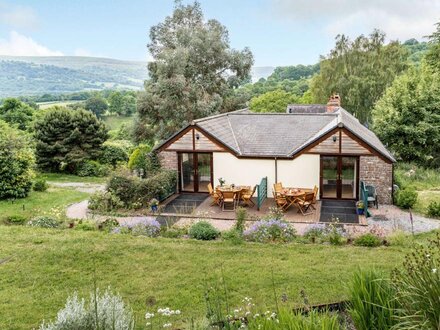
(309,145)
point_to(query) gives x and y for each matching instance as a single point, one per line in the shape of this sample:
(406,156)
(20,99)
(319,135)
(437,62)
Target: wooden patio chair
(304,203)
(247,195)
(229,197)
(216,196)
(278,187)
(315,195)
(280,200)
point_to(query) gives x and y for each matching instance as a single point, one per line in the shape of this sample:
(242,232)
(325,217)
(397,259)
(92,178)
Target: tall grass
(373,301)
(420,178)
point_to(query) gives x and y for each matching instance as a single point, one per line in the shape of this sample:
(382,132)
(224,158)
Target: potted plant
(221,181)
(360,207)
(154,203)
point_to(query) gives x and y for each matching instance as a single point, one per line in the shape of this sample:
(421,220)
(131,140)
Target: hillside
(21,75)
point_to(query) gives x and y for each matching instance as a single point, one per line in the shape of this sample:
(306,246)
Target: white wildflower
(434,270)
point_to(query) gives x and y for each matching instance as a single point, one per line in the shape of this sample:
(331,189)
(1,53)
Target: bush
(142,159)
(85,225)
(104,311)
(368,239)
(173,232)
(417,288)
(270,231)
(203,230)
(40,185)
(114,152)
(43,222)
(406,198)
(234,236)
(372,301)
(400,238)
(109,224)
(92,168)
(16,220)
(141,227)
(241,215)
(104,202)
(335,233)
(434,209)
(315,232)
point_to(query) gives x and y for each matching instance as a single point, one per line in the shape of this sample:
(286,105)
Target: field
(114,122)
(45,105)
(47,265)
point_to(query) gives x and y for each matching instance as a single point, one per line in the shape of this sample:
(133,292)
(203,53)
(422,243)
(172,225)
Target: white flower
(428,255)
(167,325)
(148,323)
(177,312)
(149,315)
(434,270)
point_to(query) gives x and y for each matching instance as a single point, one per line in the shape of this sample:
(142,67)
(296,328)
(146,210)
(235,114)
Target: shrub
(203,230)
(241,215)
(335,233)
(16,162)
(85,225)
(372,302)
(92,168)
(417,288)
(16,220)
(40,185)
(142,159)
(104,311)
(114,152)
(400,238)
(434,209)
(234,236)
(104,202)
(173,232)
(315,232)
(406,198)
(139,227)
(368,239)
(109,224)
(270,231)
(43,222)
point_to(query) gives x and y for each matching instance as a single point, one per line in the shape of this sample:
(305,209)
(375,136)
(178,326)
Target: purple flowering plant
(272,230)
(139,227)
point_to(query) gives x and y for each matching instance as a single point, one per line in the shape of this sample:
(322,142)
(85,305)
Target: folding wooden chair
(304,203)
(315,195)
(246,197)
(216,197)
(280,200)
(229,197)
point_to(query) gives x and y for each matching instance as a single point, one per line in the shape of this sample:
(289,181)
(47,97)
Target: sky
(278,32)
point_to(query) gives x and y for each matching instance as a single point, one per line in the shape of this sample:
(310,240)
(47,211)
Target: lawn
(115,122)
(425,181)
(47,265)
(45,105)
(61,177)
(39,203)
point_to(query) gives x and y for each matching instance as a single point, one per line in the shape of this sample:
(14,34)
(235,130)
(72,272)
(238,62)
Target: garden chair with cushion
(229,198)
(305,202)
(247,195)
(216,196)
(372,195)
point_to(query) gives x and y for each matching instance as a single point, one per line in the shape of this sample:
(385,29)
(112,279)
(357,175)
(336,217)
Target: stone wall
(375,171)
(168,160)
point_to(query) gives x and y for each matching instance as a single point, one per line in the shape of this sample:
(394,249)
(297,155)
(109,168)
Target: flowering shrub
(104,311)
(139,227)
(43,222)
(162,317)
(270,231)
(315,231)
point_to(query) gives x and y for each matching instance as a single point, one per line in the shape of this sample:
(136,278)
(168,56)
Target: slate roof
(282,134)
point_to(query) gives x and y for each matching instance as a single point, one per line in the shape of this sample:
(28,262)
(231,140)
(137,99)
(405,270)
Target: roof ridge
(283,114)
(218,115)
(233,135)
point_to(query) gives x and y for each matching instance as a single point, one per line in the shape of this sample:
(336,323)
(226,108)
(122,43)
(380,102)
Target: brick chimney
(333,103)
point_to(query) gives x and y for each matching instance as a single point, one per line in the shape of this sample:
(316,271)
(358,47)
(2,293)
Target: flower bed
(272,230)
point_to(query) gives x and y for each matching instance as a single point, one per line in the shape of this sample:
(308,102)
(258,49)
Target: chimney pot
(334,103)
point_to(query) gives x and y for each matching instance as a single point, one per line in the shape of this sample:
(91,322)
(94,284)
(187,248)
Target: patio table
(291,195)
(235,189)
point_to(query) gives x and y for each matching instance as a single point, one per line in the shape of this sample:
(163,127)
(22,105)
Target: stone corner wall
(375,171)
(168,160)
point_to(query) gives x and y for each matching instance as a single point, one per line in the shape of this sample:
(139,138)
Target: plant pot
(360,211)
(154,208)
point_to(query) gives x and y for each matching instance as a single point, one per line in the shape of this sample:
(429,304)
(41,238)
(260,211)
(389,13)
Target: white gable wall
(302,172)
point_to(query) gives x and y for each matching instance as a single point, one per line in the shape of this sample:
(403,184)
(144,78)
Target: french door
(195,171)
(339,177)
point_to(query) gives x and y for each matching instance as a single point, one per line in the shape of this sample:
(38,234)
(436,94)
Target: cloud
(399,19)
(18,16)
(20,45)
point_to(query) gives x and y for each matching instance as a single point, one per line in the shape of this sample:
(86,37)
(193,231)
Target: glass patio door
(339,177)
(195,171)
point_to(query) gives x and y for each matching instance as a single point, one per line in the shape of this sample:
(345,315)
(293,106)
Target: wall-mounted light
(197,136)
(334,138)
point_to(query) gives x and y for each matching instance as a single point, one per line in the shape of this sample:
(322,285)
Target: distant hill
(33,75)
(23,75)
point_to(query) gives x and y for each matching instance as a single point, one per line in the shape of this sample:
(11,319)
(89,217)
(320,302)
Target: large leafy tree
(16,161)
(65,138)
(359,70)
(275,101)
(16,113)
(433,56)
(407,117)
(192,71)
(96,104)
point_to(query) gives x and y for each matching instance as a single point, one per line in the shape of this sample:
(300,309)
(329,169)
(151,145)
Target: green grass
(61,177)
(48,265)
(114,122)
(39,203)
(425,181)
(45,105)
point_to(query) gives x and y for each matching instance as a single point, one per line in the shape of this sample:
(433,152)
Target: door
(339,177)
(195,171)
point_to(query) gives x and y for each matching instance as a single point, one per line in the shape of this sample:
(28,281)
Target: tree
(115,102)
(294,72)
(97,105)
(407,117)
(360,71)
(16,113)
(433,56)
(16,161)
(128,105)
(192,61)
(275,101)
(65,138)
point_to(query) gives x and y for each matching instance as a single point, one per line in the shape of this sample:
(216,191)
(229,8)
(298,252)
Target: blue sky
(279,32)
